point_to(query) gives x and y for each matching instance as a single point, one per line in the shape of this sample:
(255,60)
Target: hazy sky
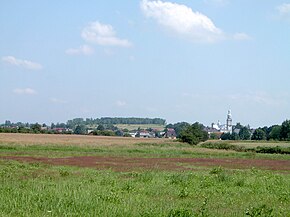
(178,60)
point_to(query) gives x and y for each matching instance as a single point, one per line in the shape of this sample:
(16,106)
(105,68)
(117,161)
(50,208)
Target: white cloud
(121,103)
(241,36)
(261,98)
(82,50)
(244,98)
(24,91)
(182,20)
(103,34)
(56,100)
(21,63)
(284,9)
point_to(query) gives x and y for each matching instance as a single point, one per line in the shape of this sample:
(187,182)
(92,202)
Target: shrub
(193,134)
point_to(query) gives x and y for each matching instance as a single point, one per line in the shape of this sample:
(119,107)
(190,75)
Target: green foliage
(183,193)
(111,121)
(37,189)
(42,190)
(213,136)
(273,150)
(127,135)
(36,127)
(222,145)
(259,134)
(230,136)
(178,127)
(285,130)
(101,127)
(80,130)
(216,170)
(193,134)
(275,133)
(104,133)
(245,133)
(239,148)
(262,210)
(180,213)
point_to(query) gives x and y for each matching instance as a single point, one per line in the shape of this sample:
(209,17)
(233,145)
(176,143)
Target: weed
(128,187)
(262,210)
(111,197)
(240,182)
(216,170)
(180,213)
(203,209)
(64,173)
(183,193)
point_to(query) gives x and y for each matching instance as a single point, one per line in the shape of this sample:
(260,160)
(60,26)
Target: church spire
(229,122)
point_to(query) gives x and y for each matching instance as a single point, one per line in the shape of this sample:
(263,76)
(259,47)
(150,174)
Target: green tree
(178,127)
(245,133)
(214,136)
(193,134)
(226,136)
(238,126)
(259,134)
(52,126)
(101,127)
(80,130)
(275,133)
(285,130)
(36,127)
(230,136)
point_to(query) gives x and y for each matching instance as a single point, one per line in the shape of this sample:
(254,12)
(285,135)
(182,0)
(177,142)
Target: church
(224,128)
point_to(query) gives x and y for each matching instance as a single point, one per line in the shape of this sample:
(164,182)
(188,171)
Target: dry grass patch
(82,140)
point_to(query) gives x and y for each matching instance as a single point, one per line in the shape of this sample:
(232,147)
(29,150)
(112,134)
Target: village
(108,127)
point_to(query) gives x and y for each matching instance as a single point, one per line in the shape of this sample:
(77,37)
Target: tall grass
(242,148)
(43,190)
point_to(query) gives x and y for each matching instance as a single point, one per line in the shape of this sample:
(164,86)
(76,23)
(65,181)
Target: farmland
(65,175)
(141,126)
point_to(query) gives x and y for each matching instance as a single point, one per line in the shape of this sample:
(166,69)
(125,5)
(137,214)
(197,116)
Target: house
(170,133)
(61,130)
(144,134)
(133,134)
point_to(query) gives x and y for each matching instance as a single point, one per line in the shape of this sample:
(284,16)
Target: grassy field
(79,140)
(253,144)
(141,126)
(56,175)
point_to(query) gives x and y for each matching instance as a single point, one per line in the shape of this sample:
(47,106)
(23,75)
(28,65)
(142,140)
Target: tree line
(190,133)
(274,132)
(114,120)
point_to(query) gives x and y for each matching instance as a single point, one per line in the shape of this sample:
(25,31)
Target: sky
(179,60)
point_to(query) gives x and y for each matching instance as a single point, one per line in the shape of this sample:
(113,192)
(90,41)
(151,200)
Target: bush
(193,134)
(273,150)
(223,145)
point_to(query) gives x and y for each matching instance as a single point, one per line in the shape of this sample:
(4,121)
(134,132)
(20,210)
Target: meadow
(141,126)
(63,175)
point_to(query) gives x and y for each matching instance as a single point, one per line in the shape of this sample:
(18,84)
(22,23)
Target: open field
(42,139)
(253,144)
(142,126)
(57,175)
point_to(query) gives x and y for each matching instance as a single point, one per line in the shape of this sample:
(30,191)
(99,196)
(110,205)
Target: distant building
(170,133)
(145,134)
(133,134)
(229,124)
(223,128)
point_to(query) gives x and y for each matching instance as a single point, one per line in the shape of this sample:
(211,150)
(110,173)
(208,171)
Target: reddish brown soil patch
(127,164)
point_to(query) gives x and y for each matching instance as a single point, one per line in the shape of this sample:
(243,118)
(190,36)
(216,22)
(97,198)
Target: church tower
(229,122)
